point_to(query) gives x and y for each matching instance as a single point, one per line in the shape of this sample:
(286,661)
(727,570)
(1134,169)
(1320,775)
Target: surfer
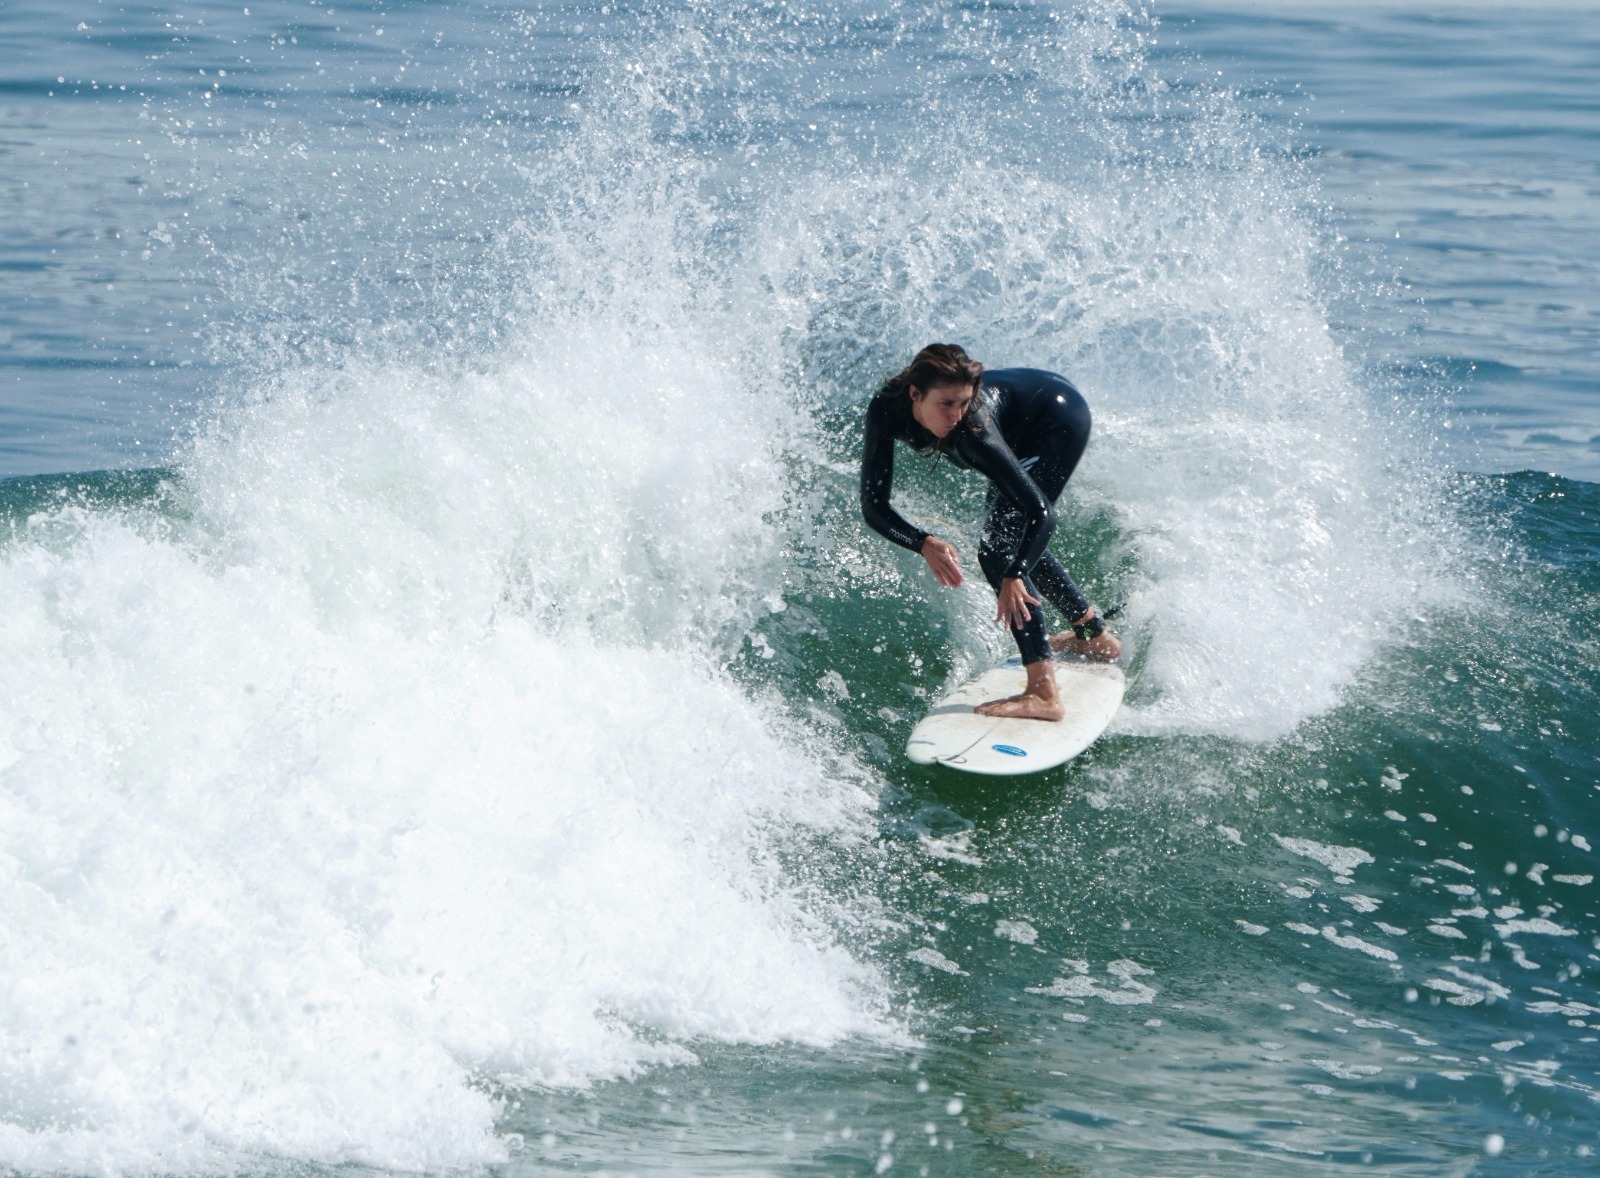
(1024,429)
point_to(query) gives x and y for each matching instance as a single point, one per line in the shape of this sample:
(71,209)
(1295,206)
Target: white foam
(1019,931)
(404,764)
(1279,516)
(1339,860)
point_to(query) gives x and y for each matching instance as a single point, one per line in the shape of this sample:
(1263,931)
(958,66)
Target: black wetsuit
(1025,433)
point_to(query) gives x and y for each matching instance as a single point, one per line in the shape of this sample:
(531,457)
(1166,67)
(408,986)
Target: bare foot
(1023,707)
(1102,646)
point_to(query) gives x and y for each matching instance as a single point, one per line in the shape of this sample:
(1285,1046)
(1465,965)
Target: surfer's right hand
(943,562)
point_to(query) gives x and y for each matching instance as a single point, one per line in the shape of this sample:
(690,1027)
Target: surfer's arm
(877,476)
(987,453)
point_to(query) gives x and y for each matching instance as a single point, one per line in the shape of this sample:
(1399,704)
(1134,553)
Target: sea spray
(397,760)
(1273,518)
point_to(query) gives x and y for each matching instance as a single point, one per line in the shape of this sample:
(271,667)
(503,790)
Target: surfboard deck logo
(1009,750)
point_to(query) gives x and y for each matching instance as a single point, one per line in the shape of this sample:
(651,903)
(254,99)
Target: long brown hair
(936,364)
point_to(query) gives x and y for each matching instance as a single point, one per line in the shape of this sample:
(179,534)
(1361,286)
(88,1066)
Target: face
(940,408)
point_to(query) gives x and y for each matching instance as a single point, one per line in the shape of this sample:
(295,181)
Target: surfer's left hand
(1014,601)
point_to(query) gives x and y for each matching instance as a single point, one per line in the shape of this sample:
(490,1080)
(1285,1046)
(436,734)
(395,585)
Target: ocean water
(450,709)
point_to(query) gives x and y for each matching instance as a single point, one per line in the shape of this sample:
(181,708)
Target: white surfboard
(953,734)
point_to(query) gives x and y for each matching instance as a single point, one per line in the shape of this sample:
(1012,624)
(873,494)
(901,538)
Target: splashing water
(433,733)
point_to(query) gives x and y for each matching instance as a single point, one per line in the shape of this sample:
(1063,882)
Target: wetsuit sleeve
(987,453)
(877,476)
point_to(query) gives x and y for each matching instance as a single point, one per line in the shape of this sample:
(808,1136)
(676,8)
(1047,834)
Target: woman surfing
(1023,429)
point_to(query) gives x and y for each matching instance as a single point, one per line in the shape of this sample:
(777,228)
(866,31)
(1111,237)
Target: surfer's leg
(1055,466)
(1032,637)
(1096,644)
(1039,699)
(1059,589)
(996,550)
